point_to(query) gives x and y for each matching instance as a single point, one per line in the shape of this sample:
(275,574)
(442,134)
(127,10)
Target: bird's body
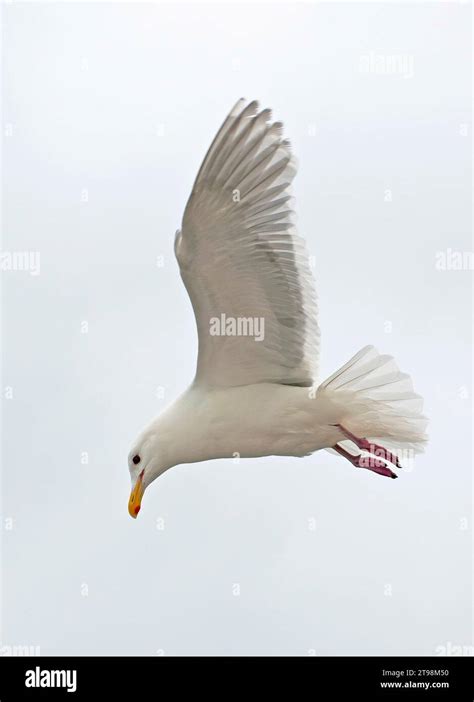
(256,391)
(248,421)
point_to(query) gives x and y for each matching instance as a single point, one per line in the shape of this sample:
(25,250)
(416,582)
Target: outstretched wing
(244,266)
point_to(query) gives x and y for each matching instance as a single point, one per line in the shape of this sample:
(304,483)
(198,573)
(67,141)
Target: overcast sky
(108,110)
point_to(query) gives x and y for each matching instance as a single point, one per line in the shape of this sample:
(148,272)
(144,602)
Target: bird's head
(145,463)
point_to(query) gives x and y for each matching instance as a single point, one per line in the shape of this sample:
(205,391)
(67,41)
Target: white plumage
(244,265)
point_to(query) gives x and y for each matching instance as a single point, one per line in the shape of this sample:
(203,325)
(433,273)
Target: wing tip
(238,107)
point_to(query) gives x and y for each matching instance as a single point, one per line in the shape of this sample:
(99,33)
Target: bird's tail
(371,398)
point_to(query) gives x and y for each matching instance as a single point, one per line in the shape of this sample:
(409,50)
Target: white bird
(247,273)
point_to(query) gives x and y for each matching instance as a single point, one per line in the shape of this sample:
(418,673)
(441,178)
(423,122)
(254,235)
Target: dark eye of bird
(136,459)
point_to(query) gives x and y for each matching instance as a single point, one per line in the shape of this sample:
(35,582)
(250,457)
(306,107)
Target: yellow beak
(136,495)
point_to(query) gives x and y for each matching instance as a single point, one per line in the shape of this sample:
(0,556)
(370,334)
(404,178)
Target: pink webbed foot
(371,448)
(368,462)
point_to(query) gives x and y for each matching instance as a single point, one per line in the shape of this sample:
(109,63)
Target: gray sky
(108,110)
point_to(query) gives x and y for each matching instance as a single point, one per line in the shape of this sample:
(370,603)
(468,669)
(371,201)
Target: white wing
(241,260)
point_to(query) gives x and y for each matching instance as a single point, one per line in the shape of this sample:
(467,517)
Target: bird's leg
(374,449)
(368,462)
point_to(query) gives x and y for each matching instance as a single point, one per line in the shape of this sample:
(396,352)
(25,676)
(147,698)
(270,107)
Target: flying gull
(255,392)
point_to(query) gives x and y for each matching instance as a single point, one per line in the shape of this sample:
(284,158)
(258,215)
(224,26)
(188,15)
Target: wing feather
(241,259)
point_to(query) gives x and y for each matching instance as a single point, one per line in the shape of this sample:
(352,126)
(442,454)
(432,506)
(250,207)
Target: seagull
(256,391)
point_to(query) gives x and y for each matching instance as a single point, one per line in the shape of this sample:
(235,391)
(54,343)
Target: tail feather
(374,400)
